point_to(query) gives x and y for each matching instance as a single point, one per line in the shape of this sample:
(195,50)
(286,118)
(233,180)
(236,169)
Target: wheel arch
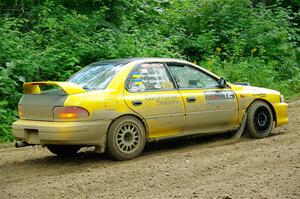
(269,104)
(141,119)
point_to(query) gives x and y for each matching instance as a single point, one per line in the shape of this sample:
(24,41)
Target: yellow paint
(68,87)
(281,113)
(31,89)
(111,104)
(164,113)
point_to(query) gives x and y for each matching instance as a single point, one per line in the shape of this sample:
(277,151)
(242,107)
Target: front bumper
(80,133)
(281,113)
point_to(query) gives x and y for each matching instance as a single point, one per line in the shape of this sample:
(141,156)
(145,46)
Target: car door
(208,108)
(151,93)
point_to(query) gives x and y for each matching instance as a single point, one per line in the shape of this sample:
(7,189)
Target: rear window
(95,77)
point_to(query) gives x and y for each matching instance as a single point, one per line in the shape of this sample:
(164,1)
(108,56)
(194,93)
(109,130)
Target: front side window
(190,77)
(149,77)
(95,77)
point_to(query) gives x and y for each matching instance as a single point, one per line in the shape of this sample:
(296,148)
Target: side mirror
(222,82)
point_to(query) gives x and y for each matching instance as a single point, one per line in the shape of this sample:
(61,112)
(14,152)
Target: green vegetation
(255,41)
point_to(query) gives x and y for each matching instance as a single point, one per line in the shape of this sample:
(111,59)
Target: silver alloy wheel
(128,137)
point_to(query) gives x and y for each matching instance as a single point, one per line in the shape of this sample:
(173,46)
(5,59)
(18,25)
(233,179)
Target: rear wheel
(260,120)
(126,138)
(63,150)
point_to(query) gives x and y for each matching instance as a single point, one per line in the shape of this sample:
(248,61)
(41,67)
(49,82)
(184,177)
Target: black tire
(63,150)
(126,138)
(260,120)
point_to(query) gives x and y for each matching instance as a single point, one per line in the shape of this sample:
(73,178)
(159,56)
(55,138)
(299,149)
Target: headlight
(281,98)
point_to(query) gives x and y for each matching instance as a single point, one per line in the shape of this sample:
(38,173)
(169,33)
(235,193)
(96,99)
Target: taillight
(70,112)
(21,111)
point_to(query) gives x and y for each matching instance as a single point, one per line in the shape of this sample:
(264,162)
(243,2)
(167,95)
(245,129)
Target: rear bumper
(281,113)
(79,133)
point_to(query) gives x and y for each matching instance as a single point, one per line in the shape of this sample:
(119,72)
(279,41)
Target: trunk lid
(40,98)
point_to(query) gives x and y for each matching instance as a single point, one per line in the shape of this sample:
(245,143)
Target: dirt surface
(207,167)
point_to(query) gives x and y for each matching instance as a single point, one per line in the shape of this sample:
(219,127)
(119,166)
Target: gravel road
(205,167)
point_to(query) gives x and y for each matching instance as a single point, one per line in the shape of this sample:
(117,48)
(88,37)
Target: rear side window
(149,77)
(95,77)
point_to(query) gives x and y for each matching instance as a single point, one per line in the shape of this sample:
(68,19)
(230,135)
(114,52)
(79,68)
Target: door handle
(191,99)
(137,103)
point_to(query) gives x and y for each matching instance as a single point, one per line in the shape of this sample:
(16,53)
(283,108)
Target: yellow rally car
(119,105)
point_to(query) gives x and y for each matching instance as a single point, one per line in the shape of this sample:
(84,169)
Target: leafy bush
(240,40)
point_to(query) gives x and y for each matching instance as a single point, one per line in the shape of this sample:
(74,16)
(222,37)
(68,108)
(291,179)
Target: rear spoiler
(68,87)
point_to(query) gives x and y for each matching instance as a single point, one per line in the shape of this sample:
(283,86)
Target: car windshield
(95,77)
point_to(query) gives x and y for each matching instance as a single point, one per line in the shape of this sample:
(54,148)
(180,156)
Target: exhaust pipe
(21,144)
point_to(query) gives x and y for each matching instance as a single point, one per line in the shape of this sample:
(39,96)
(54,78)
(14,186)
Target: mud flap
(239,132)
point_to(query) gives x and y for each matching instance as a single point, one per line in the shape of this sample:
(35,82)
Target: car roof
(139,60)
(125,61)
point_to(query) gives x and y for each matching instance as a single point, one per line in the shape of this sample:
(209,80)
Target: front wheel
(63,150)
(126,138)
(259,120)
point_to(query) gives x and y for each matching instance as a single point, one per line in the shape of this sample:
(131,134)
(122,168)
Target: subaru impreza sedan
(120,105)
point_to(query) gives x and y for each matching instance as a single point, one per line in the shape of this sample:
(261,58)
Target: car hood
(253,89)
